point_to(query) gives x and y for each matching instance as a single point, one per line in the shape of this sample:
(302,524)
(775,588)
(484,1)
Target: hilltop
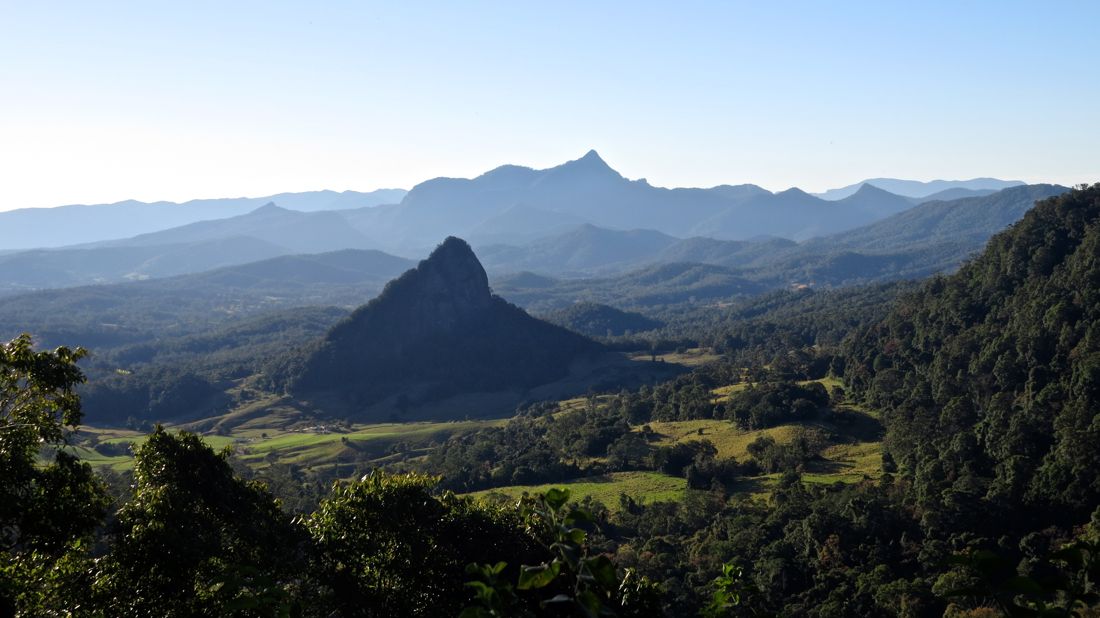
(435,331)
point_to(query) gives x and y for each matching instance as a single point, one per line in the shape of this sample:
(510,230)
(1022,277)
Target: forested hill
(596,320)
(990,378)
(435,331)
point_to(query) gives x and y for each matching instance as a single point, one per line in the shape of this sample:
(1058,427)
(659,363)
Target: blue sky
(108,101)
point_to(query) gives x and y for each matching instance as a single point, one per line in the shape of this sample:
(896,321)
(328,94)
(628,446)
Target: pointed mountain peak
(592,156)
(794,192)
(590,161)
(869,195)
(587,169)
(434,332)
(453,250)
(454,268)
(868,189)
(269,208)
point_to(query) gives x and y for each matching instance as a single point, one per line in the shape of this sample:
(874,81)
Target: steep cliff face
(435,331)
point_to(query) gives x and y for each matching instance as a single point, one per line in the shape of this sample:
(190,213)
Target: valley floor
(340,450)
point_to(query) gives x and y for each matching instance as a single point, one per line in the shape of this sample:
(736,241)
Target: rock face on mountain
(435,331)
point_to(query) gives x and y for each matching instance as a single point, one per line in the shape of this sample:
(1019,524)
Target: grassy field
(851,459)
(272,431)
(689,358)
(314,446)
(647,487)
(726,437)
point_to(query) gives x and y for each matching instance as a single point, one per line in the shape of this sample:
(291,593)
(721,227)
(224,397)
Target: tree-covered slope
(597,320)
(990,378)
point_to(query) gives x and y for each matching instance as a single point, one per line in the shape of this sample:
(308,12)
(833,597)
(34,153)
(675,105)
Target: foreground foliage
(195,539)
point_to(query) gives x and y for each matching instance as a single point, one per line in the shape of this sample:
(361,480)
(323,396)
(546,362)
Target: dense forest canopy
(989,378)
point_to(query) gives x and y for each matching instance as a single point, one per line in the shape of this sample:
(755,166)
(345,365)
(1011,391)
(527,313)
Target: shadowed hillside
(435,331)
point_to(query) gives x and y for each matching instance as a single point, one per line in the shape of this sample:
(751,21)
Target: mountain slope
(797,215)
(298,232)
(928,238)
(917,188)
(435,331)
(76,224)
(596,320)
(728,253)
(990,378)
(876,203)
(105,316)
(953,194)
(589,190)
(266,232)
(969,220)
(657,284)
(520,224)
(584,249)
(53,268)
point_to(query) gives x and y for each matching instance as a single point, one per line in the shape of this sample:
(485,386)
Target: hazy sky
(103,101)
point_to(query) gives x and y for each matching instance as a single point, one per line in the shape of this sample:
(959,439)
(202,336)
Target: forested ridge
(990,379)
(983,385)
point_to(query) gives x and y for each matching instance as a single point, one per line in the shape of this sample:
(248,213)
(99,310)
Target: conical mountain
(875,202)
(435,331)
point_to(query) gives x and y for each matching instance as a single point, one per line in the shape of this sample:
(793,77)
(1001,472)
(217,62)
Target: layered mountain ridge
(81,223)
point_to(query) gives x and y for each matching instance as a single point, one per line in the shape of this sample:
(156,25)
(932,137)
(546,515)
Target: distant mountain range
(930,238)
(519,203)
(579,219)
(925,190)
(914,241)
(513,204)
(266,232)
(635,269)
(936,234)
(78,224)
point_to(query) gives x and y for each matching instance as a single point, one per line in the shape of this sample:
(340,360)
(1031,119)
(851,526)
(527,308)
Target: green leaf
(569,551)
(481,589)
(603,571)
(577,516)
(590,602)
(556,498)
(576,535)
(532,577)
